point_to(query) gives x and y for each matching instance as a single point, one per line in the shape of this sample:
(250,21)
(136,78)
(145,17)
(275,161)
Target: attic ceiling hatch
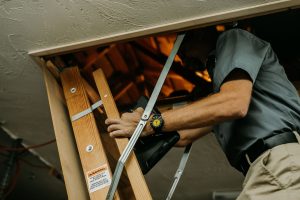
(132,69)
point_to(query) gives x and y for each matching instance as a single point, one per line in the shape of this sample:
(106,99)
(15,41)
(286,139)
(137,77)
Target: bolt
(89,148)
(73,90)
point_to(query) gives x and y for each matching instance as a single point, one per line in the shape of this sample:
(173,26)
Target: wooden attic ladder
(98,152)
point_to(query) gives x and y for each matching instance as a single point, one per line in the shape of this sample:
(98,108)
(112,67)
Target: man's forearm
(206,112)
(231,102)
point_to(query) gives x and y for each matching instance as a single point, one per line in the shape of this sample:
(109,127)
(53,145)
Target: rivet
(89,148)
(73,90)
(105,95)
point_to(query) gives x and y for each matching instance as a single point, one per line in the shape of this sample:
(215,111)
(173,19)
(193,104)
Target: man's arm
(231,102)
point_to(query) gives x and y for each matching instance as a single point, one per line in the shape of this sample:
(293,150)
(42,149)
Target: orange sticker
(98,178)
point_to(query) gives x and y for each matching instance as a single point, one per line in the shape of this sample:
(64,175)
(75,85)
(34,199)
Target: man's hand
(125,126)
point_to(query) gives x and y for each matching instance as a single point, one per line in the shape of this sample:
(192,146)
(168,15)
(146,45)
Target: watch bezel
(155,117)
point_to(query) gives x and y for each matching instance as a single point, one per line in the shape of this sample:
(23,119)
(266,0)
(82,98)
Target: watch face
(156,122)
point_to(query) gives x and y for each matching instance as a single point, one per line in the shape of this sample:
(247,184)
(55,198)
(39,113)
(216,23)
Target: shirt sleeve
(238,49)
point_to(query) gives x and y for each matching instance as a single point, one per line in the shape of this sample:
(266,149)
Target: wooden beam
(132,61)
(53,69)
(94,162)
(117,60)
(105,65)
(91,60)
(92,94)
(123,91)
(133,170)
(69,159)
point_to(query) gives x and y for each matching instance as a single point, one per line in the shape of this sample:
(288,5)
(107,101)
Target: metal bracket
(86,111)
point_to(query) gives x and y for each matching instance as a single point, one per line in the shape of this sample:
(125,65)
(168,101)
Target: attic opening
(132,68)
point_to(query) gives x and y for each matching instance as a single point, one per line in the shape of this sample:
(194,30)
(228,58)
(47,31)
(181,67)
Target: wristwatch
(156,122)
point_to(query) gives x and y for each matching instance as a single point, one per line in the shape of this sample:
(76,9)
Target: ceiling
(43,27)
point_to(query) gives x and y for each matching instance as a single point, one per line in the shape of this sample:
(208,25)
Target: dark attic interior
(132,69)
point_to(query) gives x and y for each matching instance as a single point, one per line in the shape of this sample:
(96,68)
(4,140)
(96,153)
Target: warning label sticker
(98,178)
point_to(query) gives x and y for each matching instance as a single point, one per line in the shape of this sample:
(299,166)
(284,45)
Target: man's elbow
(235,108)
(243,112)
(240,110)
(183,141)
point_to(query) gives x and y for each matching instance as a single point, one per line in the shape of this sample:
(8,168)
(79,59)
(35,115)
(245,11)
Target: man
(254,113)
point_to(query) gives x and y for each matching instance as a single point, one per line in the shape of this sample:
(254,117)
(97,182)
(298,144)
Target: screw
(73,90)
(89,148)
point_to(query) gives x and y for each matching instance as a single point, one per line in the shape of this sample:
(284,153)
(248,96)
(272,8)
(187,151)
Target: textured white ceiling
(29,26)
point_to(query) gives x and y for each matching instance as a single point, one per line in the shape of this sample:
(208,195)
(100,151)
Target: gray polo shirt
(275,104)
